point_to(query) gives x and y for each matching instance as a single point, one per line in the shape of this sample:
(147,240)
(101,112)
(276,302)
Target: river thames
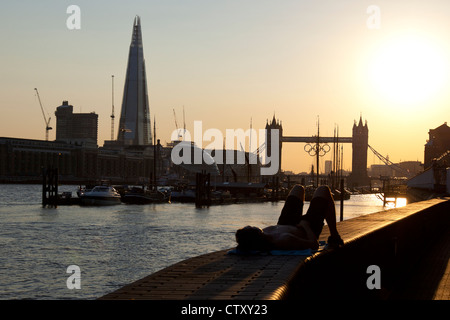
(116,245)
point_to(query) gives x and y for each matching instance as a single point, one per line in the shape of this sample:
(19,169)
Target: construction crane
(47,122)
(184,124)
(181,133)
(176,124)
(112,113)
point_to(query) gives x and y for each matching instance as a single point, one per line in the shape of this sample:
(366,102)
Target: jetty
(400,253)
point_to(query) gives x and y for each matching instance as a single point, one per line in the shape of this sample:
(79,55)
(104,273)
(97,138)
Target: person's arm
(288,241)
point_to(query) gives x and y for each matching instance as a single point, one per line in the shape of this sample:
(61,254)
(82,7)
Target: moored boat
(141,196)
(100,196)
(187,195)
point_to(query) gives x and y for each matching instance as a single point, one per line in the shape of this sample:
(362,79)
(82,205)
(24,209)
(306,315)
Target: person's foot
(335,241)
(298,190)
(323,192)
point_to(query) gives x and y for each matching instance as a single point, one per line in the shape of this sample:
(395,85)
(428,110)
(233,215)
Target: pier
(409,246)
(390,192)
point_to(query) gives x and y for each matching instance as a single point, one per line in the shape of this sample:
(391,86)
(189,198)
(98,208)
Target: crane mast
(176,124)
(184,124)
(47,122)
(112,113)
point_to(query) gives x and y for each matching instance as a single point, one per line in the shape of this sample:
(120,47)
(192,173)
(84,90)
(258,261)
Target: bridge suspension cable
(389,163)
(260,149)
(442,156)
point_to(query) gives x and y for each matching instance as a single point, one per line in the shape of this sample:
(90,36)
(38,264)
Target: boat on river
(185,195)
(100,196)
(138,195)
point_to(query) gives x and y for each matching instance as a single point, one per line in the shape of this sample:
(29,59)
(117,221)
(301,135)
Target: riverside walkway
(410,246)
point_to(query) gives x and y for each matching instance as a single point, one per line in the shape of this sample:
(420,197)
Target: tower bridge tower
(360,144)
(275,125)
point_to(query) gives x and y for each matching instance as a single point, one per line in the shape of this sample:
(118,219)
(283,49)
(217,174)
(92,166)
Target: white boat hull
(101,196)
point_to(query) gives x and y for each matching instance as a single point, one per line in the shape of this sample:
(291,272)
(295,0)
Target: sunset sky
(232,62)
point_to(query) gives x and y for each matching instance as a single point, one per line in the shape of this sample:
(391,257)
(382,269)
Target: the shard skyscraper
(134,125)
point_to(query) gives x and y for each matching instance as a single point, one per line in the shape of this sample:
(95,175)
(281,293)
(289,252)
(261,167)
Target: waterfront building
(377,170)
(134,125)
(435,177)
(408,169)
(412,167)
(437,144)
(22,160)
(76,128)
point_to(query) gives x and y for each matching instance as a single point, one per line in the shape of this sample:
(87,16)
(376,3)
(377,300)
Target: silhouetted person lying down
(295,231)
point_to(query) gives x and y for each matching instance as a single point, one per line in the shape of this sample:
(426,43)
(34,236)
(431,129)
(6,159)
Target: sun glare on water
(408,69)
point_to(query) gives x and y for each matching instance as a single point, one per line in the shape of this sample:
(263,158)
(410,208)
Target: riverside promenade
(401,253)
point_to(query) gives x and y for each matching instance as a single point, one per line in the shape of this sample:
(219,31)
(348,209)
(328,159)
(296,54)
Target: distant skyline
(232,63)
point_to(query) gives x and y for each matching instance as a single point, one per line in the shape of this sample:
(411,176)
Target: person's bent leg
(322,208)
(293,207)
(329,209)
(324,192)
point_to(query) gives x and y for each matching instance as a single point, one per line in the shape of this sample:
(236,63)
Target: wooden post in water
(44,190)
(342,200)
(386,187)
(202,189)
(208,189)
(50,187)
(198,190)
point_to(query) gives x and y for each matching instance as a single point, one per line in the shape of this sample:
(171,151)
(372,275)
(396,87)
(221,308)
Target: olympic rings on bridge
(316,148)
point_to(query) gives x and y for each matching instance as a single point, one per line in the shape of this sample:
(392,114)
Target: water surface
(115,245)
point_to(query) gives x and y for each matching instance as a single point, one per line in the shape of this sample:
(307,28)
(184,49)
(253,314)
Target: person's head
(252,238)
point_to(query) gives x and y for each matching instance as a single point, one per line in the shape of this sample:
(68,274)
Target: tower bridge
(359,141)
(320,140)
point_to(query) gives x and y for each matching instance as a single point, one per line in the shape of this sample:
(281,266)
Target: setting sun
(408,69)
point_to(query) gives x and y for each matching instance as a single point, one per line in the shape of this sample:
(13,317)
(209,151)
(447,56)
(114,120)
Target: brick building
(437,144)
